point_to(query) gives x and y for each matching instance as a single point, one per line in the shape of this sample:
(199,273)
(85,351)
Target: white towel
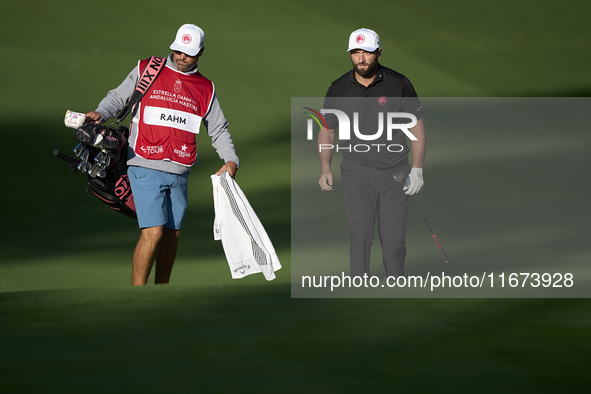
(246,244)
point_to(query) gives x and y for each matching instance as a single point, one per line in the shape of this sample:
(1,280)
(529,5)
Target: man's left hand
(230,166)
(414,181)
(94,117)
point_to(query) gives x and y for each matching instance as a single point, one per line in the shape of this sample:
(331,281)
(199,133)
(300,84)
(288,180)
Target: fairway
(254,339)
(71,322)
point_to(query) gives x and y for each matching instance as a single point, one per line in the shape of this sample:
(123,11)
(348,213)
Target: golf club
(94,170)
(99,156)
(72,161)
(85,155)
(398,178)
(79,149)
(106,162)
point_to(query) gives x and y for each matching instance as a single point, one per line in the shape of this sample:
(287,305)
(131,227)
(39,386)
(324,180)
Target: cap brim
(367,49)
(184,49)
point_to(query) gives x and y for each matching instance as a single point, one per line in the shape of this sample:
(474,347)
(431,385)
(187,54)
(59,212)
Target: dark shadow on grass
(97,339)
(46,211)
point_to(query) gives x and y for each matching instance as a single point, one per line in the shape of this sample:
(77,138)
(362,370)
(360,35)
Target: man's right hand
(94,117)
(325,181)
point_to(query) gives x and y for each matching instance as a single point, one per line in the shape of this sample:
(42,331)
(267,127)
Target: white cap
(189,40)
(365,39)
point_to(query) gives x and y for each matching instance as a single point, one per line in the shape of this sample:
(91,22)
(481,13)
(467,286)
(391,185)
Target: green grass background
(69,321)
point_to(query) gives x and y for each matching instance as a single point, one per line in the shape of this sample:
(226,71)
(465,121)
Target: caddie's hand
(230,166)
(325,181)
(414,181)
(93,117)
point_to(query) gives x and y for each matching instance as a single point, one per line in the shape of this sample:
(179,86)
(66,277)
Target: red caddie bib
(169,116)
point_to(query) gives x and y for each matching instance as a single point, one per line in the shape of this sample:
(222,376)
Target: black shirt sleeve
(410,100)
(329,103)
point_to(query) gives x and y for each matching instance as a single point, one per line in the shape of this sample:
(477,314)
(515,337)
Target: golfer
(370,162)
(162,147)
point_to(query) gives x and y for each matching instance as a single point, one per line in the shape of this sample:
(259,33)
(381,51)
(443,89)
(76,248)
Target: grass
(69,322)
(250,339)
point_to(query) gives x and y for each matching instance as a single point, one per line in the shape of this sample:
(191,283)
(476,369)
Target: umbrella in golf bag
(101,154)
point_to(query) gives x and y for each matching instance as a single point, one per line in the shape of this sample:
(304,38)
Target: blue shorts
(160,198)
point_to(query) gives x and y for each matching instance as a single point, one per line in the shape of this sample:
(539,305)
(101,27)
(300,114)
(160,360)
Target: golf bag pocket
(115,191)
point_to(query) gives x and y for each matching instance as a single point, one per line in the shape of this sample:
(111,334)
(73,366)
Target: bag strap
(151,71)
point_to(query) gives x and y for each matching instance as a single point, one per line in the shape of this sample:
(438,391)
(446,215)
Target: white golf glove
(414,181)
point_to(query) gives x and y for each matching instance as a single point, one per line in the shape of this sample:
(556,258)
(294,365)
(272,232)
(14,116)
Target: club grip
(72,161)
(59,154)
(445,258)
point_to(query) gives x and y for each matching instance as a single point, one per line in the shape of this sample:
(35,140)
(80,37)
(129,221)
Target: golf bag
(106,148)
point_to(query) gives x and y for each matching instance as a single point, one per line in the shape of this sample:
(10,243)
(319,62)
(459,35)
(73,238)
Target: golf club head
(84,156)
(83,167)
(86,134)
(99,157)
(399,177)
(102,173)
(110,143)
(98,140)
(94,170)
(106,161)
(79,149)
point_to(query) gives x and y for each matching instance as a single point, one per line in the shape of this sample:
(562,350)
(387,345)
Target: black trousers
(371,193)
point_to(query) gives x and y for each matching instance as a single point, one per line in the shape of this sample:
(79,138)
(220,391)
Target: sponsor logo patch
(182,152)
(152,150)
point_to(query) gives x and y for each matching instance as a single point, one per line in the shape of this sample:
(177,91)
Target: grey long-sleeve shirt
(214,121)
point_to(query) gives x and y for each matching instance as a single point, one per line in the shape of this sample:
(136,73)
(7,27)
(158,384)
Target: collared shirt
(367,108)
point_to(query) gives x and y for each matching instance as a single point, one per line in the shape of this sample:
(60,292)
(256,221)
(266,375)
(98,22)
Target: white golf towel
(246,244)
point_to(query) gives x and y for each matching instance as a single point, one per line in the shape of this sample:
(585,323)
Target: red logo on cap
(187,39)
(382,100)
(360,39)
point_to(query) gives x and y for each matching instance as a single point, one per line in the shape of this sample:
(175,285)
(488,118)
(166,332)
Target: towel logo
(243,267)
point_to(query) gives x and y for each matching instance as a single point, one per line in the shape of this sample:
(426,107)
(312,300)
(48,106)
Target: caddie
(162,145)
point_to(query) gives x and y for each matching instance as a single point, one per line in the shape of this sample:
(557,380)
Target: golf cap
(189,40)
(365,39)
